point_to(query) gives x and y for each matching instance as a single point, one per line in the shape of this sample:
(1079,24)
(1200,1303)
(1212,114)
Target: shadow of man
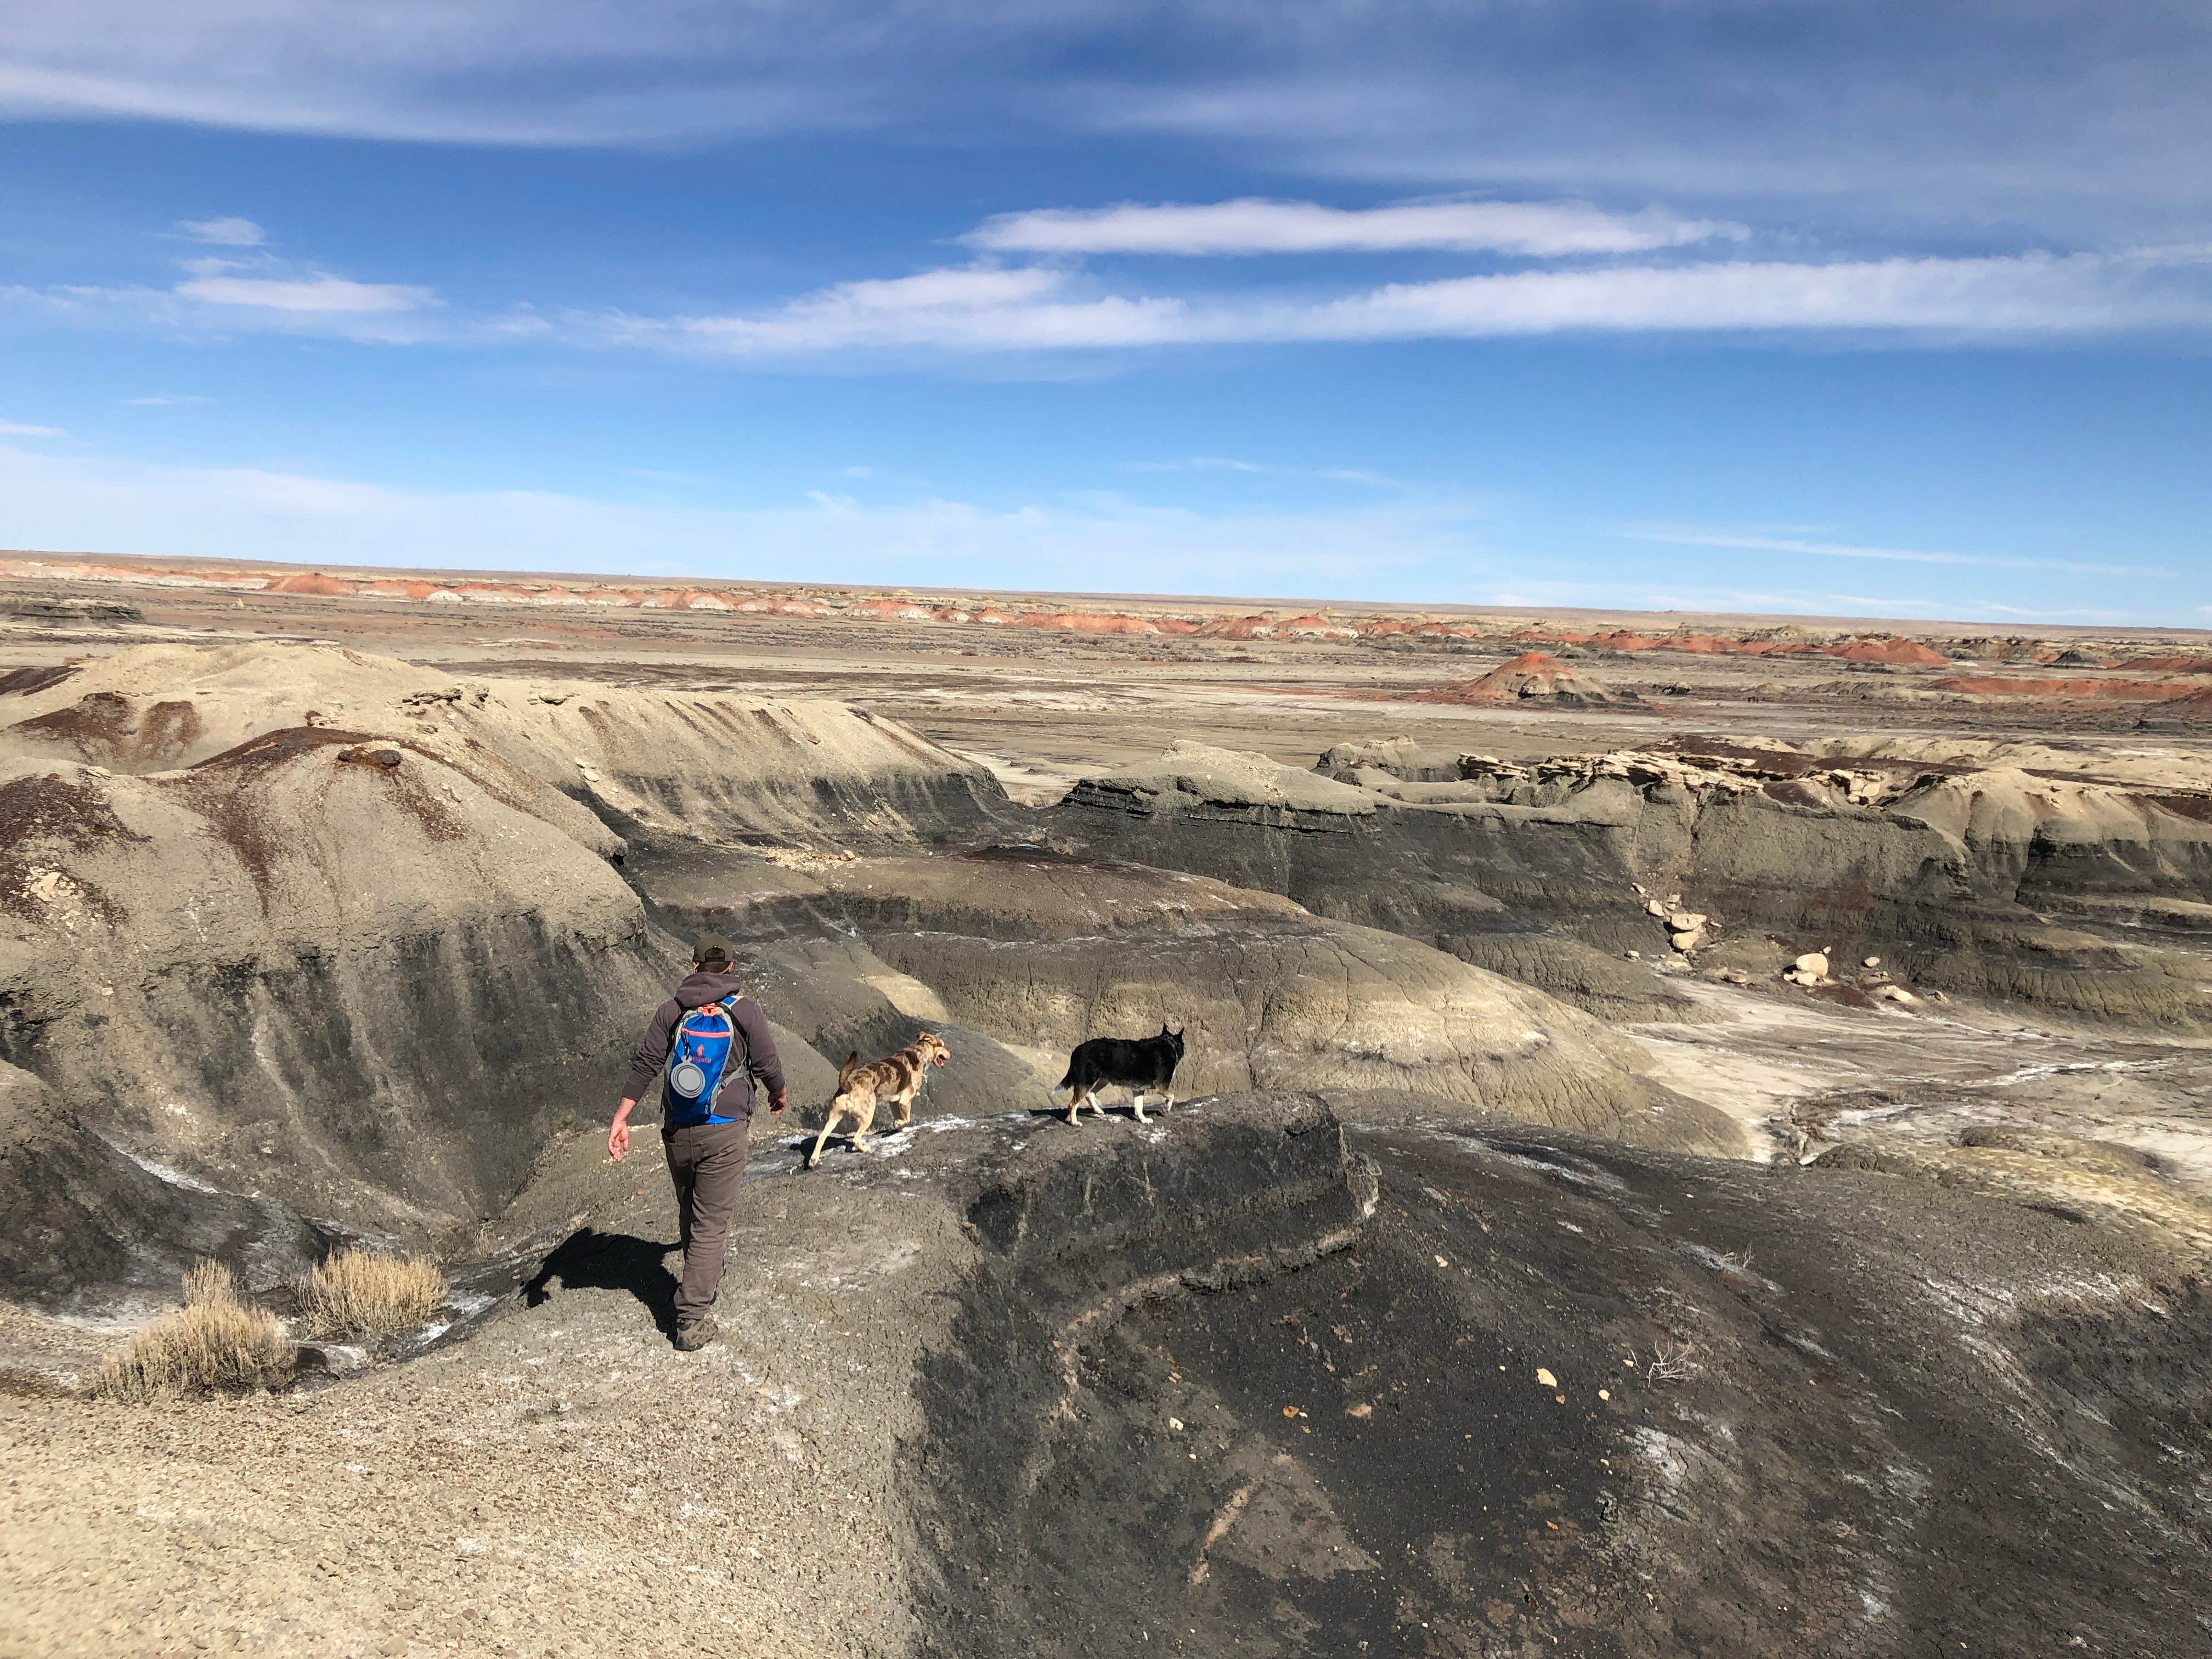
(593,1261)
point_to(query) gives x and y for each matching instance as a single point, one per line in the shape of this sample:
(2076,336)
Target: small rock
(332,1358)
(1636,956)
(1871,961)
(1176,1422)
(1362,1410)
(1656,908)
(1814,965)
(1545,1379)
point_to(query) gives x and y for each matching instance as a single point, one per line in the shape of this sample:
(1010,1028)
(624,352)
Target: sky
(1780,305)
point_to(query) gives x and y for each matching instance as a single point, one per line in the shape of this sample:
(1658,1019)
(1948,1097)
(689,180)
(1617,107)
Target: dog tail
(1067,1082)
(845,1072)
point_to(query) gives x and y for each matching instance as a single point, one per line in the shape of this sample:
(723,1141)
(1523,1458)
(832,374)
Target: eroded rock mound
(1532,677)
(1043,953)
(365,991)
(644,764)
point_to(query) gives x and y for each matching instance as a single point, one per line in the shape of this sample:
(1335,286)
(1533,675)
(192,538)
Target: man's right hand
(618,1136)
(776,1103)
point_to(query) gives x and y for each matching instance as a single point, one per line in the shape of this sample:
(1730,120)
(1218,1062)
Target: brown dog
(861,1089)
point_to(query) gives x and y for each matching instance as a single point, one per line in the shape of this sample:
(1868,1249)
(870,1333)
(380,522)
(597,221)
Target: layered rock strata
(1959,877)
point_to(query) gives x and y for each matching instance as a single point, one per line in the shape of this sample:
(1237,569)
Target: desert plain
(1694,1138)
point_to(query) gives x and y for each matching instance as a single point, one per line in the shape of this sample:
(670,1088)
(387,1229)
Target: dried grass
(357,1293)
(213,1341)
(1672,1363)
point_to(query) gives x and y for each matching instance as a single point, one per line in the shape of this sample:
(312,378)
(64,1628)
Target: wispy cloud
(322,295)
(223,233)
(1254,225)
(165,399)
(1719,539)
(1351,474)
(1035,308)
(2082,113)
(17,429)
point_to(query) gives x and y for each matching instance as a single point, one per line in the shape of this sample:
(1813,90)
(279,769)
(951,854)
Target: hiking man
(707,1044)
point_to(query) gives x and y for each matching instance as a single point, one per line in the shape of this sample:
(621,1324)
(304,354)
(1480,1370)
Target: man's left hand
(776,1103)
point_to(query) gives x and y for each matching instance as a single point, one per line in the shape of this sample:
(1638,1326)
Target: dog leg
(814,1158)
(862,1118)
(1170,1107)
(1074,1108)
(905,1114)
(1137,1100)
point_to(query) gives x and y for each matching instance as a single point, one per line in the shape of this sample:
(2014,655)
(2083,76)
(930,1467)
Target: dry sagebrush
(356,1293)
(214,1341)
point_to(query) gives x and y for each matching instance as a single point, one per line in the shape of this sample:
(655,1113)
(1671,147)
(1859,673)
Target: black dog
(1145,1067)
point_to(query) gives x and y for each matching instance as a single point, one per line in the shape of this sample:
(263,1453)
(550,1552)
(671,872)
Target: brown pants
(706,1161)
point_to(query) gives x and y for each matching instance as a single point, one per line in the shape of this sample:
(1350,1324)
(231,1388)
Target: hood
(700,989)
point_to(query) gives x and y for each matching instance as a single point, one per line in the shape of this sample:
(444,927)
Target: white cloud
(164,400)
(319,295)
(1756,543)
(223,233)
(2082,115)
(16,429)
(962,309)
(1351,475)
(991,310)
(1254,225)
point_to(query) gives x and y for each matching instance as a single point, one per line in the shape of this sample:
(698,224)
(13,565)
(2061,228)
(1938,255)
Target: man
(705,1137)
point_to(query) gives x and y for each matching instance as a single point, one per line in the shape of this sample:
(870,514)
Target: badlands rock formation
(641,764)
(1531,677)
(1427,1327)
(322,935)
(1984,880)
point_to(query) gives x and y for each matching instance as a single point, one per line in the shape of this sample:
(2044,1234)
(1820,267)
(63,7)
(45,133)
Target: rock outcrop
(598,762)
(364,992)
(1953,876)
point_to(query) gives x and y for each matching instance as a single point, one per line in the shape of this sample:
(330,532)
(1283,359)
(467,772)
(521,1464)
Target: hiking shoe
(696,1334)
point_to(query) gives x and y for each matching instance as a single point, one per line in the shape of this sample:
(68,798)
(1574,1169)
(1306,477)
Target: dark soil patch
(43,819)
(21,682)
(1849,1446)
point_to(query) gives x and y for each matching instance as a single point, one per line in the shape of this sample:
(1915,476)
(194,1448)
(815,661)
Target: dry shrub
(356,1293)
(213,1341)
(210,1283)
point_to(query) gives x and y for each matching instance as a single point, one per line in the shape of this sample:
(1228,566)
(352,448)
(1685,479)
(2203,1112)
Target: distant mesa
(1898,654)
(2002,685)
(2166,665)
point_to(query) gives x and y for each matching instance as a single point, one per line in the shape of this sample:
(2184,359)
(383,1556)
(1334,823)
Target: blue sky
(1865,308)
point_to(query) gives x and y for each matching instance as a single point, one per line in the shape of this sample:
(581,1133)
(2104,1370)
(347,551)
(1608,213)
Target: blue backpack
(705,1040)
